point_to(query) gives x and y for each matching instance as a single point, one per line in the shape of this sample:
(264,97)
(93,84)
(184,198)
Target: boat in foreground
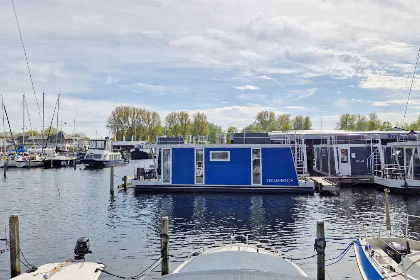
(390,257)
(237,261)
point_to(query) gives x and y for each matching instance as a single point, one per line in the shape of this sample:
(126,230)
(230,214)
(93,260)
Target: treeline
(359,122)
(127,122)
(267,121)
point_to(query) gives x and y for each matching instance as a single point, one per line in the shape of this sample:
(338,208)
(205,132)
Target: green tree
(386,126)
(172,124)
(266,120)
(216,134)
(414,125)
(200,125)
(346,122)
(184,123)
(284,123)
(153,125)
(361,123)
(307,123)
(298,123)
(230,132)
(373,122)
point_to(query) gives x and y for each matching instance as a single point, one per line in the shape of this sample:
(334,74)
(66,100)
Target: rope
(139,275)
(30,267)
(26,57)
(411,86)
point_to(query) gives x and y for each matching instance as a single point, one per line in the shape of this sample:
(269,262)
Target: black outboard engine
(82,248)
(396,251)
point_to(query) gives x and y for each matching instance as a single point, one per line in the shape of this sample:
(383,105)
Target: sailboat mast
(4,126)
(43,121)
(58,113)
(23,114)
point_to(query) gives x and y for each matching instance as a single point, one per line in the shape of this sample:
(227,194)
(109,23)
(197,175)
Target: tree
(298,123)
(373,123)
(184,123)
(414,125)
(266,120)
(230,132)
(361,123)
(153,125)
(216,134)
(386,126)
(172,124)
(50,131)
(307,123)
(284,123)
(346,122)
(200,125)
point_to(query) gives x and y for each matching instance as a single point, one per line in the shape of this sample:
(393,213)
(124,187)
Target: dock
(324,185)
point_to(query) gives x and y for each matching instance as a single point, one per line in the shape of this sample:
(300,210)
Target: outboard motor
(396,251)
(82,248)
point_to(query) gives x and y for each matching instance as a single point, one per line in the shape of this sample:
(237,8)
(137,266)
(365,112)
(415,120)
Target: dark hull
(137,154)
(57,163)
(90,163)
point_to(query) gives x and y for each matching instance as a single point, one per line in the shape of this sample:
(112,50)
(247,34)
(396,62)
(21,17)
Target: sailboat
(390,257)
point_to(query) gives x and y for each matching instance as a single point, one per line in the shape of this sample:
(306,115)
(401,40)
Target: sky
(229,59)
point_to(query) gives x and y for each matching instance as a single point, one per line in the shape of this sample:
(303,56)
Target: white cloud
(297,108)
(299,94)
(247,87)
(262,77)
(389,82)
(154,88)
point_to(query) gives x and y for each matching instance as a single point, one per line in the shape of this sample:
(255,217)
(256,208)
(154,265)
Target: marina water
(57,206)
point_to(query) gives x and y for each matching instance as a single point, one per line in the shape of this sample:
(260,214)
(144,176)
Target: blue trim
(365,264)
(183,168)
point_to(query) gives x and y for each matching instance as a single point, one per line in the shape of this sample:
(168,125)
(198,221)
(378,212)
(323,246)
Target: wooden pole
(29,163)
(14,246)
(164,241)
(320,249)
(388,216)
(125,183)
(5,166)
(74,164)
(111,182)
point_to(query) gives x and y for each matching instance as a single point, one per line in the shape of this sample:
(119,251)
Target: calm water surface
(55,207)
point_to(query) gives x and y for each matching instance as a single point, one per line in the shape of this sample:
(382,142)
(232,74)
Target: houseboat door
(256,166)
(344,163)
(199,166)
(166,166)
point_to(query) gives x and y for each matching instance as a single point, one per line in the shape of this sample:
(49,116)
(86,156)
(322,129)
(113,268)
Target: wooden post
(5,166)
(74,164)
(164,242)
(14,246)
(29,163)
(111,182)
(320,249)
(125,183)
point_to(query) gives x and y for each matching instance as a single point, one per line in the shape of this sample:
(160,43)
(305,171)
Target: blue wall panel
(183,165)
(278,167)
(237,171)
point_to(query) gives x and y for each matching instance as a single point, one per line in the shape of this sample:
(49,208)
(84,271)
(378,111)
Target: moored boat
(100,155)
(237,261)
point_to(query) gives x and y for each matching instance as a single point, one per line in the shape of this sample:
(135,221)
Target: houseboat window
(199,166)
(97,144)
(344,156)
(256,166)
(166,178)
(323,152)
(219,155)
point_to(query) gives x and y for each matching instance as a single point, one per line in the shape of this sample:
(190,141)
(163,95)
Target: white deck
(69,271)
(396,183)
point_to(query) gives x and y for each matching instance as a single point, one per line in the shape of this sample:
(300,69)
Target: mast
(23,114)
(4,126)
(58,111)
(43,121)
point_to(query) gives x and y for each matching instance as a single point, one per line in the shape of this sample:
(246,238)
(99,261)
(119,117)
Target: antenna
(411,87)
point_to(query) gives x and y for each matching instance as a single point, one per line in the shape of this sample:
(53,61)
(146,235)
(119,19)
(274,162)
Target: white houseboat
(100,155)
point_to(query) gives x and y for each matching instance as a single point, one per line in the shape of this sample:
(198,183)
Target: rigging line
(26,58)
(411,86)
(49,129)
(10,129)
(29,117)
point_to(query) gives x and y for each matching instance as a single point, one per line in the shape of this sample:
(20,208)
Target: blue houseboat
(245,168)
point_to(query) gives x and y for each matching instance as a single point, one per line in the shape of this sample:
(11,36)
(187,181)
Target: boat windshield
(97,144)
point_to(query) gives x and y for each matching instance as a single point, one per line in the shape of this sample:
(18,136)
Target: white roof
(69,271)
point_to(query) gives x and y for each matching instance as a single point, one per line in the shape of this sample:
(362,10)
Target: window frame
(213,152)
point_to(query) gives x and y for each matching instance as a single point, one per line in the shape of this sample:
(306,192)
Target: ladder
(298,148)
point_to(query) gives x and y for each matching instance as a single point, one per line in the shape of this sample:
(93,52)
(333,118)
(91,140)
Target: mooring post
(320,250)
(125,183)
(74,164)
(111,182)
(164,242)
(5,166)
(14,246)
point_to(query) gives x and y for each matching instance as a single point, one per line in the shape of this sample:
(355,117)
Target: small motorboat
(237,261)
(390,257)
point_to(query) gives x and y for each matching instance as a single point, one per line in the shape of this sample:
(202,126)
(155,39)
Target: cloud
(262,77)
(373,81)
(396,102)
(297,108)
(154,88)
(299,94)
(247,87)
